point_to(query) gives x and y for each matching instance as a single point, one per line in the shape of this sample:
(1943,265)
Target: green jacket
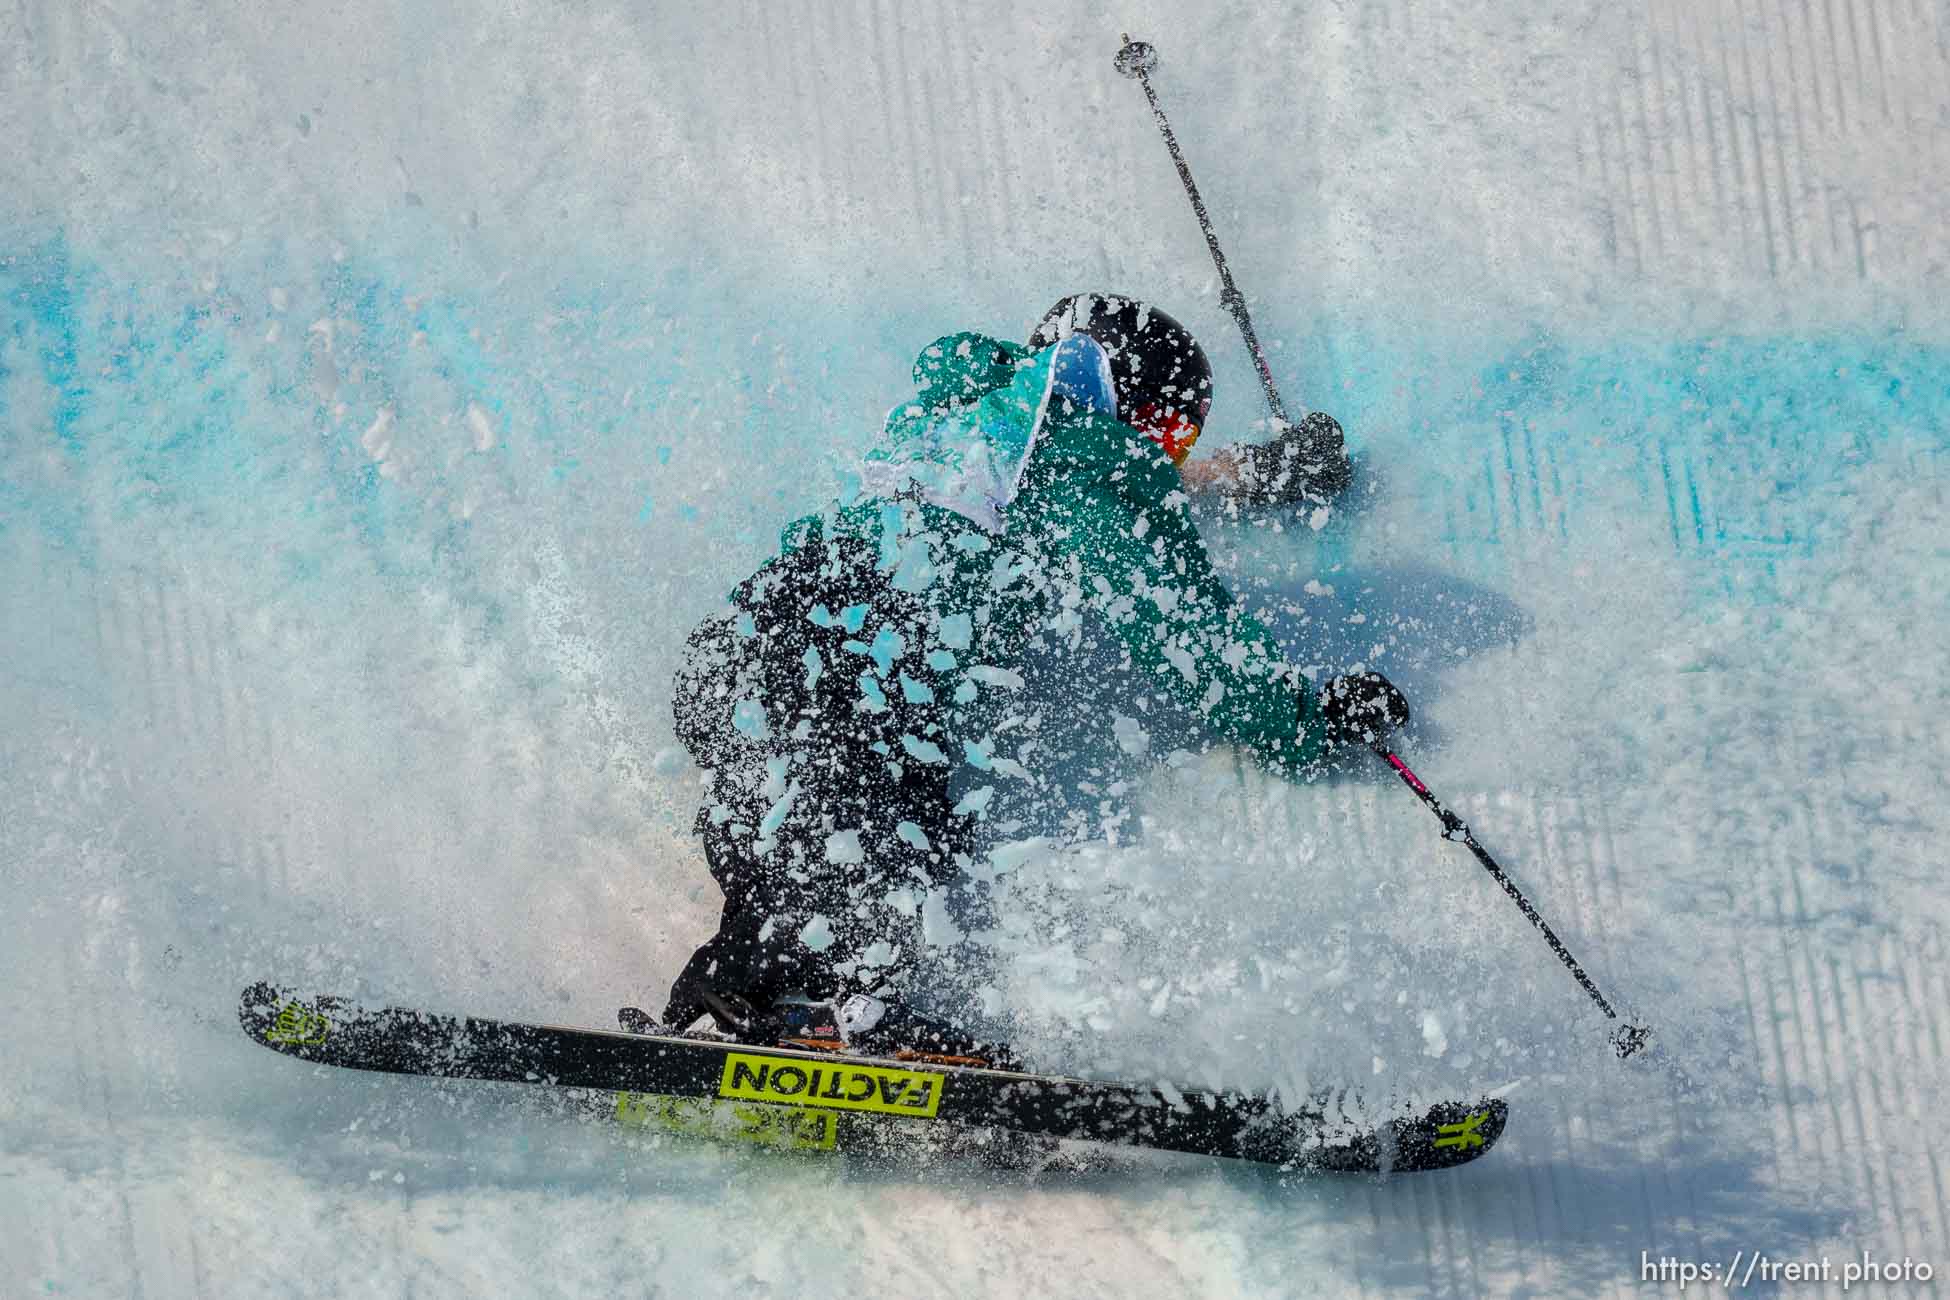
(1013,512)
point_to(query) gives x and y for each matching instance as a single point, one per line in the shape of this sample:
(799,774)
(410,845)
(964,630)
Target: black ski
(793,1098)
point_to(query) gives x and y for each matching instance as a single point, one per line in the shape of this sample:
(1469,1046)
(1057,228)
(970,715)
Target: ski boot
(869,1026)
(635,1020)
(860,1025)
(731,1018)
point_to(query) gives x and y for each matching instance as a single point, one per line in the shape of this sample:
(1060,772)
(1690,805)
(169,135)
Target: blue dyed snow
(872,699)
(1736,443)
(888,645)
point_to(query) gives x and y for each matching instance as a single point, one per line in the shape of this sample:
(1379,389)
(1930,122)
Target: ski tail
(1448,1134)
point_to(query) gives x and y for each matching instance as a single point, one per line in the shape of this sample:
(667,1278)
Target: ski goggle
(1171,429)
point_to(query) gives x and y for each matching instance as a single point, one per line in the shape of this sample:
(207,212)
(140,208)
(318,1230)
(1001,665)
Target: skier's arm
(1145,570)
(1307,461)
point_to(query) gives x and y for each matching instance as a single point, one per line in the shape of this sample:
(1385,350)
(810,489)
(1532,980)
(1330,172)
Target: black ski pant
(829,817)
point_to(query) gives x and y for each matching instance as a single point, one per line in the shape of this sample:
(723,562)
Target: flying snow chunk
(748,717)
(482,426)
(378,437)
(818,934)
(1434,1041)
(975,801)
(923,751)
(843,848)
(1011,854)
(938,926)
(777,770)
(916,572)
(775,815)
(957,631)
(888,645)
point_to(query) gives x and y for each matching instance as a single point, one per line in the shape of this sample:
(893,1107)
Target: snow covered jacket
(1006,504)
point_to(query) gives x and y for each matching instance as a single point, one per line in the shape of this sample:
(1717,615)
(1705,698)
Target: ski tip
(253,1006)
(282,1021)
(1451,1133)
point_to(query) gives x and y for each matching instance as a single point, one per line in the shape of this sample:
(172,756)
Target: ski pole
(1628,1038)
(1136,59)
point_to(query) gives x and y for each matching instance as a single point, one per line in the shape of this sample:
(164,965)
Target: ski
(807,1100)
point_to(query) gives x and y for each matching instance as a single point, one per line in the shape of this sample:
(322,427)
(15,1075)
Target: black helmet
(1154,360)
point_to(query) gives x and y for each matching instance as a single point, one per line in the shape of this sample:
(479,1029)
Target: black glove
(1307,462)
(1361,708)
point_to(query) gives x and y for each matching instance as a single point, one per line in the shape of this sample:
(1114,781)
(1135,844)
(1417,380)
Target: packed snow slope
(385,391)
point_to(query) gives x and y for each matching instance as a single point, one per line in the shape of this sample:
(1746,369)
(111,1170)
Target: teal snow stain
(1739,447)
(923,751)
(957,631)
(888,645)
(1735,445)
(975,802)
(748,716)
(872,699)
(775,815)
(916,571)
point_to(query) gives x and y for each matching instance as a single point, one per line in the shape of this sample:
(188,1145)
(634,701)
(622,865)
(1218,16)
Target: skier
(1026,495)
